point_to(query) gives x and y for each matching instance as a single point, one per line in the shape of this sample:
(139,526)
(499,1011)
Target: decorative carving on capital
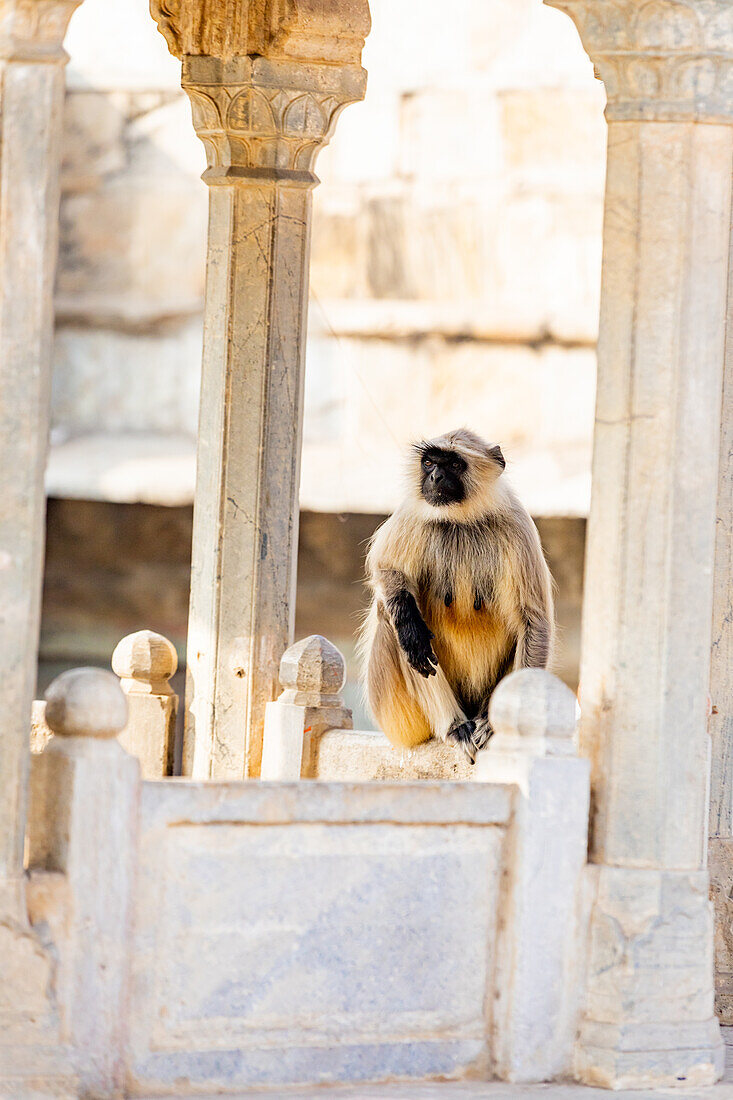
(34,30)
(332,31)
(264,119)
(659,60)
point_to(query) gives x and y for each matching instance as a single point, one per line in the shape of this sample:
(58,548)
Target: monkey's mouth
(439,497)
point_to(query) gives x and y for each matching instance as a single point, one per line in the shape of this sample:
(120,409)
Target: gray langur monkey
(461,595)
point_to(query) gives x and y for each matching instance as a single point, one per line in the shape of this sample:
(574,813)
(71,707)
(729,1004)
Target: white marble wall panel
(313,932)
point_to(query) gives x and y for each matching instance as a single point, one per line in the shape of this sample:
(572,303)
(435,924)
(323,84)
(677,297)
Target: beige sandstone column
(651,539)
(266,87)
(31,102)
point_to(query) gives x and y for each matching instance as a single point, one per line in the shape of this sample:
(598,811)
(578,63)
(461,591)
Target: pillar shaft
(667,68)
(651,535)
(720,841)
(265,94)
(245,537)
(31,104)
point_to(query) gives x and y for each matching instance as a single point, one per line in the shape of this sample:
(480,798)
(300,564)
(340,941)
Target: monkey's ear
(498,457)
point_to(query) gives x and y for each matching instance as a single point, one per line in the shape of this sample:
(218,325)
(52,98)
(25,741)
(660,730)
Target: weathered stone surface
(357,755)
(312,674)
(92,395)
(538,980)
(86,702)
(325,916)
(108,251)
(41,732)
(720,725)
(720,863)
(650,1019)
(83,823)
(145,662)
(306,30)
(262,119)
(531,711)
(31,56)
(553,139)
(665,61)
(31,98)
(431,382)
(646,643)
(92,139)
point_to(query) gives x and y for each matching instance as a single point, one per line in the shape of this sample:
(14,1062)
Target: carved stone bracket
(34,30)
(265,118)
(306,30)
(665,60)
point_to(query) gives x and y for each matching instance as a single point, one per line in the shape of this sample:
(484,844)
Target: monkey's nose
(437,477)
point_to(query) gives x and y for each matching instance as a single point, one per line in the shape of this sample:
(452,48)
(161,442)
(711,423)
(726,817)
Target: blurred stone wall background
(455,279)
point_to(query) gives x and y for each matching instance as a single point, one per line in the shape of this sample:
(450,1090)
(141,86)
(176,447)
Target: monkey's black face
(442,477)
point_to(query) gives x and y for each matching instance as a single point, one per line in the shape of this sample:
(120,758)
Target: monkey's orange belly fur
(472,648)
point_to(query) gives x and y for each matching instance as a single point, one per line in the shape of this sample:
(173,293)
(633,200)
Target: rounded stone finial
(146,657)
(86,702)
(532,703)
(313,666)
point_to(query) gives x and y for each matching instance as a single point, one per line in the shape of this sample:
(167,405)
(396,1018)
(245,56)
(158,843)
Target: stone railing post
(540,948)
(668,71)
(145,662)
(265,95)
(83,823)
(312,674)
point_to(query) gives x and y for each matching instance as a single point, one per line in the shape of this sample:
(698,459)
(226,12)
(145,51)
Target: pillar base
(630,1056)
(649,1020)
(33,1059)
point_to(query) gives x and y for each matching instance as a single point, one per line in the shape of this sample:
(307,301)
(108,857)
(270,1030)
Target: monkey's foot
(471,736)
(482,733)
(462,734)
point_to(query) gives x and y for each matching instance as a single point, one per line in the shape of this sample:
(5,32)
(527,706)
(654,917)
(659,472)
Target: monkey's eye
(457,465)
(427,464)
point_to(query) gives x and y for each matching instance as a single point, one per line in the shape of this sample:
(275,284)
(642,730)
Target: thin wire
(354,371)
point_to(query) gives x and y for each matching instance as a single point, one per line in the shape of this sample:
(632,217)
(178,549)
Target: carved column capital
(267,79)
(266,119)
(34,30)
(664,60)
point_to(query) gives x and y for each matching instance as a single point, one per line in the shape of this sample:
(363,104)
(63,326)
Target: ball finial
(534,704)
(313,666)
(86,702)
(145,656)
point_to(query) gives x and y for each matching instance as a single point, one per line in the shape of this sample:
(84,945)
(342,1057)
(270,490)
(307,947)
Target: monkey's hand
(413,634)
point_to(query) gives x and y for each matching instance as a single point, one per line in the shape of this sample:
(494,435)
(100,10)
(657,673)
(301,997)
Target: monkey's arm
(398,596)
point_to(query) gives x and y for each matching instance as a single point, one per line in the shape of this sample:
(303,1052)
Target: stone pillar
(312,674)
(720,841)
(145,662)
(651,538)
(31,101)
(265,94)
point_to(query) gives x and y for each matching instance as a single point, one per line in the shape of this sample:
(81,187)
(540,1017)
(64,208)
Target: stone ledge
(353,755)
(173,802)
